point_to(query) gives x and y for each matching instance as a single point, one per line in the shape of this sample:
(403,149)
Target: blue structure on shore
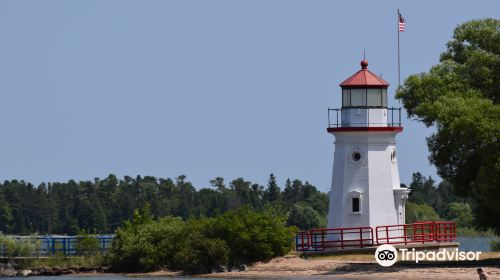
(50,245)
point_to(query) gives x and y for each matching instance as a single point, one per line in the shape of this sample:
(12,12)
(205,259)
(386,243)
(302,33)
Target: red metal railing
(331,239)
(335,239)
(423,232)
(445,231)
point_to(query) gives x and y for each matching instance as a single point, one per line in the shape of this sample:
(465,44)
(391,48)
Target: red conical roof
(364,78)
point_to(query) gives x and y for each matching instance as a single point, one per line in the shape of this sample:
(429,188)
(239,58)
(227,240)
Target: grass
(62,262)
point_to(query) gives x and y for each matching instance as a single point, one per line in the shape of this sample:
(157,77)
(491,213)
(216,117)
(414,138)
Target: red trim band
(370,128)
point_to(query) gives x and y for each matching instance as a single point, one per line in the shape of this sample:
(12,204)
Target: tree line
(102,205)
(429,201)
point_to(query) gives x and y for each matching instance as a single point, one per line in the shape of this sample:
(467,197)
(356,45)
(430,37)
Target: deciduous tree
(459,96)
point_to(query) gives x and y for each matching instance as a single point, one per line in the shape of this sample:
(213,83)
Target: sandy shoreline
(354,267)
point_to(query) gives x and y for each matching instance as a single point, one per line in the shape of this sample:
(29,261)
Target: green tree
(273,192)
(422,190)
(420,213)
(5,214)
(304,217)
(460,213)
(101,205)
(459,96)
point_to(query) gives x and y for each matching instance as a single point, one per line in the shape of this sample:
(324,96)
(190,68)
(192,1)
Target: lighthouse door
(401,216)
(399,202)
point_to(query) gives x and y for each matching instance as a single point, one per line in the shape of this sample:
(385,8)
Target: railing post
(338,118)
(301,244)
(65,246)
(315,242)
(392,116)
(437,232)
(53,246)
(387,233)
(368,117)
(399,116)
(342,239)
(405,236)
(361,237)
(323,240)
(422,231)
(328,118)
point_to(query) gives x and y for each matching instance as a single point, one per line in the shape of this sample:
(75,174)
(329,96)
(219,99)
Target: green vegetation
(87,245)
(102,205)
(459,96)
(420,212)
(305,217)
(473,232)
(429,201)
(495,245)
(200,245)
(10,247)
(64,262)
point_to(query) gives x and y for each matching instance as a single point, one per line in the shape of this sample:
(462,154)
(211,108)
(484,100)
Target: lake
(482,244)
(120,277)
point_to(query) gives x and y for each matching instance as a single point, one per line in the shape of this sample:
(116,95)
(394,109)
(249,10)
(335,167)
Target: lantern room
(364,89)
(364,102)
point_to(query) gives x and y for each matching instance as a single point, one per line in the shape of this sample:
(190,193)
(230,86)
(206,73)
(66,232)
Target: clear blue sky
(201,88)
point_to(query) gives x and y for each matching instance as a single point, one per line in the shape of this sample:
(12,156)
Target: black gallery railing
(393,117)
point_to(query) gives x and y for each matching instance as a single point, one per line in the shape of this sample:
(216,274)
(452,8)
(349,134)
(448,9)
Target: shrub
(87,245)
(143,245)
(200,245)
(167,243)
(24,247)
(495,245)
(419,213)
(198,253)
(253,236)
(461,213)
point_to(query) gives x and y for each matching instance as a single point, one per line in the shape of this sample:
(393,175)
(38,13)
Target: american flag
(401,23)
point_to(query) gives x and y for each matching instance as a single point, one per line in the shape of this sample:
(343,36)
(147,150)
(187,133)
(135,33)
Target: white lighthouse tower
(365,184)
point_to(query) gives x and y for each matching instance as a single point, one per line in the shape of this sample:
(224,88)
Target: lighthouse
(365,189)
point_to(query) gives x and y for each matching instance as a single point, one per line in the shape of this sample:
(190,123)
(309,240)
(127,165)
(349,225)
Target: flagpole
(399,67)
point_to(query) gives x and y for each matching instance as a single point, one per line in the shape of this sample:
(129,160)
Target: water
(482,244)
(121,277)
(110,277)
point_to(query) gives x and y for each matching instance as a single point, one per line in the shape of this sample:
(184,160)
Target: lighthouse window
(384,97)
(355,204)
(346,98)
(356,156)
(374,97)
(358,97)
